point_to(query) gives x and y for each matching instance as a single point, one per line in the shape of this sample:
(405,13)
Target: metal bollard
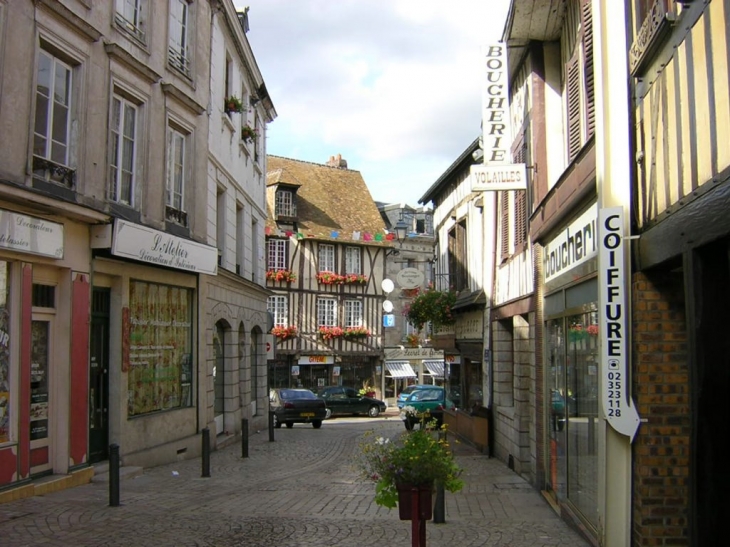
(244,438)
(114,475)
(271,426)
(206,452)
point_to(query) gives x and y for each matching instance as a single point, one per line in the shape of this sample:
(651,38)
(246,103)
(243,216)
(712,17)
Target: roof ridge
(313,163)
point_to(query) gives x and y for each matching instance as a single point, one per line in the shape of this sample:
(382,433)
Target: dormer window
(286,205)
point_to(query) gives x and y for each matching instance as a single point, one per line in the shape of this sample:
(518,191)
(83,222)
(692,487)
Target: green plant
(433,307)
(249,133)
(417,458)
(232,104)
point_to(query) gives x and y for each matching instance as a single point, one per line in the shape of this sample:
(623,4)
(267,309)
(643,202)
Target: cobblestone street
(298,491)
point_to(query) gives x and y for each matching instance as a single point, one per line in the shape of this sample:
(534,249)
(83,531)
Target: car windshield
(427,395)
(290,394)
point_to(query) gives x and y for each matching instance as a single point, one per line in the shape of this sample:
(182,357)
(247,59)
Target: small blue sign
(389,320)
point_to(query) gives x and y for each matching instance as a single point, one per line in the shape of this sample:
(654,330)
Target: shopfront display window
(572,376)
(4,352)
(160,356)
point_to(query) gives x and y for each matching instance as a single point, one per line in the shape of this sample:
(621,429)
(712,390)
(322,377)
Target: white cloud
(392,85)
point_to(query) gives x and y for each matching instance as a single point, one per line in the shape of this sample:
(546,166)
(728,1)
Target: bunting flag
(289,233)
(378,237)
(356,236)
(267,230)
(335,234)
(367,236)
(300,235)
(389,237)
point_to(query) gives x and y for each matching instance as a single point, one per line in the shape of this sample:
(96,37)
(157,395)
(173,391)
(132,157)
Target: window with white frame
(179,49)
(353,260)
(277,254)
(177,174)
(278,306)
(326,257)
(353,313)
(53,109)
(131,16)
(326,312)
(123,150)
(409,328)
(285,204)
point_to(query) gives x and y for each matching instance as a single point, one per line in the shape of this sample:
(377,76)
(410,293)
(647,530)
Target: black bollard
(271,426)
(206,452)
(244,438)
(114,475)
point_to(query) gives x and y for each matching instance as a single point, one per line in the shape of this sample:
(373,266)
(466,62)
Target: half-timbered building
(325,250)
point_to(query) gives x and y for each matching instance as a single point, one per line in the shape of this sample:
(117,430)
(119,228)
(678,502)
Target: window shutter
(587,24)
(520,217)
(573,105)
(504,222)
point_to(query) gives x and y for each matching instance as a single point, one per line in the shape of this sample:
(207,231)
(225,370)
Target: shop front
(44,303)
(408,366)
(570,308)
(149,392)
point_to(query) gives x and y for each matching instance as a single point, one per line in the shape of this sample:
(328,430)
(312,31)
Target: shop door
(40,390)
(99,376)
(711,442)
(219,350)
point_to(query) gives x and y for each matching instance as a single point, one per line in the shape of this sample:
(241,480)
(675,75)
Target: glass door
(40,400)
(99,377)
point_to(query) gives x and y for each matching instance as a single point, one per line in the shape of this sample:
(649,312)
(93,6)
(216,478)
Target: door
(41,417)
(219,349)
(99,376)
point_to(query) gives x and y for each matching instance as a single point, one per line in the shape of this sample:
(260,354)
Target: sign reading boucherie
(162,249)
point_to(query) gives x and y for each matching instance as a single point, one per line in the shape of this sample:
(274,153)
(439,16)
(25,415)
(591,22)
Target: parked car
(342,400)
(292,406)
(433,399)
(403,395)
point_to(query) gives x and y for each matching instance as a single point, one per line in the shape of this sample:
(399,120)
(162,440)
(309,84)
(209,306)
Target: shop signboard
(30,234)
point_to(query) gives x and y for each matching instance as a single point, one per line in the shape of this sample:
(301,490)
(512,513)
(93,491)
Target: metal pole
(415,518)
(244,438)
(114,475)
(206,452)
(271,426)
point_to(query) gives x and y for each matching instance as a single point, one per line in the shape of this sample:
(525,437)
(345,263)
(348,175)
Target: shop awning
(400,369)
(435,368)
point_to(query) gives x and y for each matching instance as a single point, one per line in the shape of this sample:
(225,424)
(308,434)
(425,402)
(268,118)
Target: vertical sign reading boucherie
(618,407)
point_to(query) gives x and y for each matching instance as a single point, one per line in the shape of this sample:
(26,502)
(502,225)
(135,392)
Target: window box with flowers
(232,104)
(281,276)
(417,459)
(356,332)
(431,306)
(249,134)
(284,332)
(329,333)
(353,279)
(413,340)
(329,278)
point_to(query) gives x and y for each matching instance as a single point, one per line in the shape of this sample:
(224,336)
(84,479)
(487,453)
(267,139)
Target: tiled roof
(333,203)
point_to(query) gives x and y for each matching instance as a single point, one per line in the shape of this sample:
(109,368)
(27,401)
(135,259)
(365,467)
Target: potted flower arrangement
(249,134)
(420,459)
(355,278)
(284,332)
(367,390)
(232,104)
(329,278)
(413,340)
(285,276)
(356,332)
(431,306)
(328,333)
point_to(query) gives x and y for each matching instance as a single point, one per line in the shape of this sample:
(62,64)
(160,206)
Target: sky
(394,86)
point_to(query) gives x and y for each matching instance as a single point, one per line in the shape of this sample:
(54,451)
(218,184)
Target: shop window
(5,337)
(160,340)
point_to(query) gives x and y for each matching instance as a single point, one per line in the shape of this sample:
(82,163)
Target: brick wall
(661,389)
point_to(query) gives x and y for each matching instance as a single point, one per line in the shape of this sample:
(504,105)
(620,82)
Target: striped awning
(435,368)
(400,369)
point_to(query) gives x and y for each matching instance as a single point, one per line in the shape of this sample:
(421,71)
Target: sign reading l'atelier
(155,247)
(30,234)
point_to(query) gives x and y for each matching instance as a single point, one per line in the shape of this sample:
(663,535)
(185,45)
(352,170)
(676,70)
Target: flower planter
(405,501)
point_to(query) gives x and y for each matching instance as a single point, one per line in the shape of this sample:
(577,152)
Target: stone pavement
(298,491)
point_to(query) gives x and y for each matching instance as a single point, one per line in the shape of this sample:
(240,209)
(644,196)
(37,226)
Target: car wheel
(277,423)
(408,424)
(328,414)
(316,424)
(289,425)
(374,412)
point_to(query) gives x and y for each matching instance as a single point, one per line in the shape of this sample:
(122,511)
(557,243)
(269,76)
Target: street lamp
(401,230)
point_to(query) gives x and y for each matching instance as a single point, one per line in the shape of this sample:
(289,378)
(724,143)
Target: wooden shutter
(587,24)
(520,216)
(504,223)
(572,86)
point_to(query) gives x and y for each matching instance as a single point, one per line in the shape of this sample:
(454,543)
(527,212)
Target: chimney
(337,162)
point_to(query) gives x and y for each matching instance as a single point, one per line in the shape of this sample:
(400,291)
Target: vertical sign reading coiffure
(618,408)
